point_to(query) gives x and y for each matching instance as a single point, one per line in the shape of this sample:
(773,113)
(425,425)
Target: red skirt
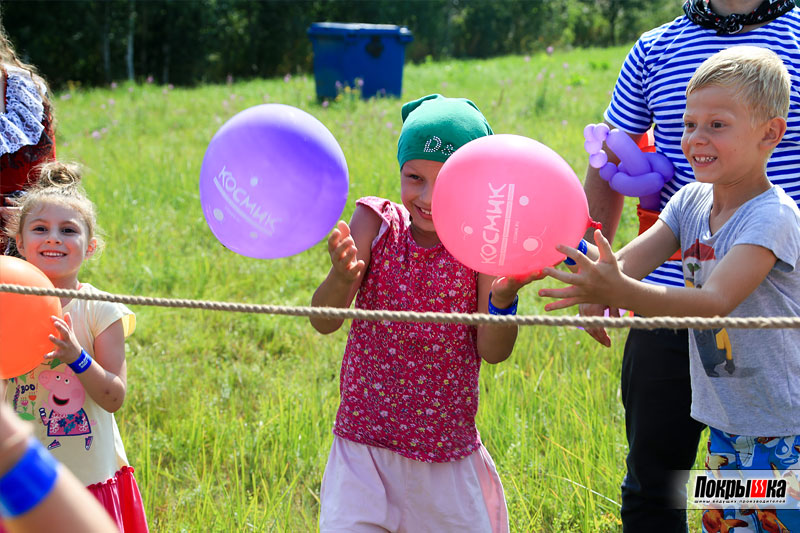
(121,498)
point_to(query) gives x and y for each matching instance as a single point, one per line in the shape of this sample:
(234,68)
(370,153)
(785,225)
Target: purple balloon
(640,185)
(661,164)
(627,151)
(607,171)
(592,147)
(273,182)
(651,201)
(637,174)
(598,159)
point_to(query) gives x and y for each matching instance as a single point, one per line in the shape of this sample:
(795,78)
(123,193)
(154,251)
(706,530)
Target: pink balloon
(502,203)
(273,182)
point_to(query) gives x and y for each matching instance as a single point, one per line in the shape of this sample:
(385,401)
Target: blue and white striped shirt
(651,91)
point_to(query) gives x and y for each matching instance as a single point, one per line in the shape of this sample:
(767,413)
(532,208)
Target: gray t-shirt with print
(744,381)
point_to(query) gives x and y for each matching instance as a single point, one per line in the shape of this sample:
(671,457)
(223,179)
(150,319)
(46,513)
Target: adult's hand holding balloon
(641,174)
(25,324)
(273,182)
(502,203)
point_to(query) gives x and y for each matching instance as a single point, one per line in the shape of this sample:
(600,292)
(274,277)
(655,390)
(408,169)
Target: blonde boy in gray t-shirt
(739,238)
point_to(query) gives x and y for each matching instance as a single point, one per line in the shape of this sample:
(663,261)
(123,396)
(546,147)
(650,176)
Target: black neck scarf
(700,13)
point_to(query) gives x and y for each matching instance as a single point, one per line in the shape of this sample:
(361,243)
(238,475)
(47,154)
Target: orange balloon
(24,319)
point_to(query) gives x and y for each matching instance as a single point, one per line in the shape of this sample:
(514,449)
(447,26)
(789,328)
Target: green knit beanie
(435,126)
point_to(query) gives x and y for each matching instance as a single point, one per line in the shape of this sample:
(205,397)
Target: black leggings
(662,437)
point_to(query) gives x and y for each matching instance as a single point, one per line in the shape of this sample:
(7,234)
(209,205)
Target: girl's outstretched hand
(342,249)
(595,281)
(67,347)
(506,287)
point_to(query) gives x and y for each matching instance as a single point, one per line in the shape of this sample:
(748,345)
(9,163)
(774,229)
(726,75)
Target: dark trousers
(662,437)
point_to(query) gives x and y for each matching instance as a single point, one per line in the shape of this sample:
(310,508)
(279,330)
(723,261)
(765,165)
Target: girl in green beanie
(406,454)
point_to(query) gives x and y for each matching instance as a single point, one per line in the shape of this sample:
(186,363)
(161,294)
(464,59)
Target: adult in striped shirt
(662,437)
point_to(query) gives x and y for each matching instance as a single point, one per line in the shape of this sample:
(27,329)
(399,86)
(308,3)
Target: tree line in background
(189,42)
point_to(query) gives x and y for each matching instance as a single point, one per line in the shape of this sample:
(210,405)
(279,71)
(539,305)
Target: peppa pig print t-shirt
(77,431)
(411,387)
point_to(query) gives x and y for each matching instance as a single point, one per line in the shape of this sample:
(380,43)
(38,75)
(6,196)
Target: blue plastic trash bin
(349,54)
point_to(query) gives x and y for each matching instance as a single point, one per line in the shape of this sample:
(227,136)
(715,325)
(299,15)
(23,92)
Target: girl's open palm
(506,287)
(67,349)
(343,252)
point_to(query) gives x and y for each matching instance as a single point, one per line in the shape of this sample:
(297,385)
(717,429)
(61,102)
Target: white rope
(410,316)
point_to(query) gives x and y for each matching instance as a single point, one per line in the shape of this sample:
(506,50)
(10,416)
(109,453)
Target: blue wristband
(511,310)
(80,364)
(582,248)
(28,482)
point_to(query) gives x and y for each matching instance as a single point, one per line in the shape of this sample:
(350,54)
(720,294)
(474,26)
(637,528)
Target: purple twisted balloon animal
(641,174)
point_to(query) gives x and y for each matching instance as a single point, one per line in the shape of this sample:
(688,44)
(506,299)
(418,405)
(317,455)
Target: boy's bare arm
(737,275)
(646,252)
(643,254)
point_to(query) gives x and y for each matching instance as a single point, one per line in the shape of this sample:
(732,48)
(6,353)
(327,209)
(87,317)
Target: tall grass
(228,418)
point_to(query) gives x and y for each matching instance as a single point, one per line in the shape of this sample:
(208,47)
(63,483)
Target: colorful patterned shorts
(769,454)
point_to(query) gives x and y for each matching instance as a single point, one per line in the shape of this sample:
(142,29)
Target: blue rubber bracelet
(28,482)
(80,364)
(511,310)
(582,248)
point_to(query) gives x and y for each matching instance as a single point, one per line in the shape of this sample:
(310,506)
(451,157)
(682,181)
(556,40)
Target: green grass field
(228,416)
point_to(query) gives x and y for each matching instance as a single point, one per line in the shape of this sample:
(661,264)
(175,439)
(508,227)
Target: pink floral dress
(411,387)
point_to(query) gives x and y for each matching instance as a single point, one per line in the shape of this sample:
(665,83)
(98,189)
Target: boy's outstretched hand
(342,249)
(595,282)
(599,334)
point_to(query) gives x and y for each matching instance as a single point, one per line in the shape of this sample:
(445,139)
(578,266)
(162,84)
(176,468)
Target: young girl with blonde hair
(72,396)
